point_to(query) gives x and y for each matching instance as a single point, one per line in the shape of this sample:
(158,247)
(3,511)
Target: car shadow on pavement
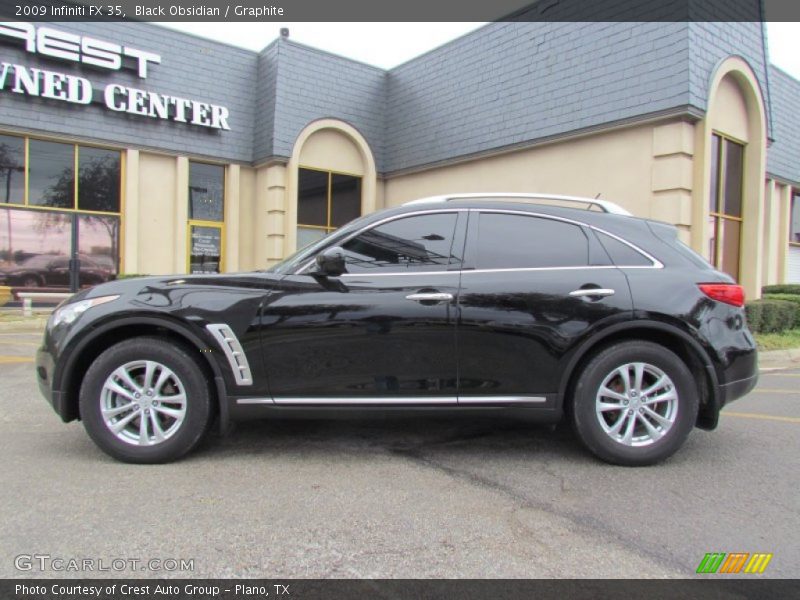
(394,434)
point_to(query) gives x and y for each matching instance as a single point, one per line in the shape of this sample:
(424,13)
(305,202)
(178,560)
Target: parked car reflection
(52,270)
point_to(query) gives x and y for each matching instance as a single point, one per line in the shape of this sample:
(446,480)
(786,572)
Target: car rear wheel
(145,400)
(634,403)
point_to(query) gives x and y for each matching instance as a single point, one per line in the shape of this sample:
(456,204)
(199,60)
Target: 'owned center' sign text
(74,89)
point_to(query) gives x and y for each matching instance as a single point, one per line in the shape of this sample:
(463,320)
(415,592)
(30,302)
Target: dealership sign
(42,83)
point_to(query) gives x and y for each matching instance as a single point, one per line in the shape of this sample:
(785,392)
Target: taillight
(729,293)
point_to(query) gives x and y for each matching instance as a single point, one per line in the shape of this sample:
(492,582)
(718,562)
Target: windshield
(302,256)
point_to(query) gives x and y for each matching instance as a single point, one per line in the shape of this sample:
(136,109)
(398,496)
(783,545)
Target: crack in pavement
(594,527)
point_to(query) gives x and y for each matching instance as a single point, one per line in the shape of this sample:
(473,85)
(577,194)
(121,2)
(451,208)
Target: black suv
(499,301)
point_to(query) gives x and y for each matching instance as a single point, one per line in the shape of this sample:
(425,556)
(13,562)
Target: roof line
(329,53)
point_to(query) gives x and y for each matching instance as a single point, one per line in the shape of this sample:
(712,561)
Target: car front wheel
(634,403)
(145,400)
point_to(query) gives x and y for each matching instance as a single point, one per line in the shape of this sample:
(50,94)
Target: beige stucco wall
(247,225)
(154,225)
(331,150)
(619,165)
(728,110)
(736,109)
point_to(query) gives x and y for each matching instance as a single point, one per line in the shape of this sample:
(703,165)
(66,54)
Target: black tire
(198,401)
(31,281)
(586,421)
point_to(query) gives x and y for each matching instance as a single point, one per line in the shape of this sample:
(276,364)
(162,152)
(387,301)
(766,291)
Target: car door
(384,331)
(532,288)
(57,273)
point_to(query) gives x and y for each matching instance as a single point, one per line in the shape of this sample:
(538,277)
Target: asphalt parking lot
(454,497)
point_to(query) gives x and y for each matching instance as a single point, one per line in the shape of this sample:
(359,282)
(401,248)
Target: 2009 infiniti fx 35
(498,301)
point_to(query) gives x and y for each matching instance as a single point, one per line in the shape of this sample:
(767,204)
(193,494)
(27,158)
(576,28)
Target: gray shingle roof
(783,157)
(502,85)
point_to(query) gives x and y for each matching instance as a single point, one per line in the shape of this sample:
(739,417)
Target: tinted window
(51,177)
(98,179)
(12,169)
(345,199)
(312,198)
(516,241)
(206,192)
(621,254)
(422,243)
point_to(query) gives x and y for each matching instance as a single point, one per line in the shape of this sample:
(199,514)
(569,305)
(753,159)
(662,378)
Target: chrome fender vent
(232,349)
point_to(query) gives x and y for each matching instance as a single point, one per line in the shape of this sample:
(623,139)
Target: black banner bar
(406,10)
(400,589)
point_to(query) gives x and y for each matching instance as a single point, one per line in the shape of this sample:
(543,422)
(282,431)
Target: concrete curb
(779,359)
(33,324)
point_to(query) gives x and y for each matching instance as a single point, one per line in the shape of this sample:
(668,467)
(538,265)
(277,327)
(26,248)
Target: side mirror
(330,262)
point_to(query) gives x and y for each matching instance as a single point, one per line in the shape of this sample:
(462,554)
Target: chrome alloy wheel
(143,403)
(636,404)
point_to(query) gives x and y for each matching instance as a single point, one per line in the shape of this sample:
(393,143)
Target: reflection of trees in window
(12,169)
(98,179)
(102,246)
(51,176)
(384,249)
(404,243)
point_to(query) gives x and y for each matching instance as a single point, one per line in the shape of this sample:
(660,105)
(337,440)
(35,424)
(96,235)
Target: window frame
(76,176)
(190,222)
(328,228)
(120,215)
(717,216)
(795,196)
(224,190)
(468,260)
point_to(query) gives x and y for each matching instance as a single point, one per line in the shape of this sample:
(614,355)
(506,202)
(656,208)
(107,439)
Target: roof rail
(590,203)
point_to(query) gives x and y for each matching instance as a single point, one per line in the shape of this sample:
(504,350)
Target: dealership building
(138,149)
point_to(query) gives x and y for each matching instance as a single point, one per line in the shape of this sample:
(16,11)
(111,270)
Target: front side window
(325,202)
(517,242)
(725,204)
(420,243)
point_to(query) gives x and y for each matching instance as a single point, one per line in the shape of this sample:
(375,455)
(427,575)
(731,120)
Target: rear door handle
(584,292)
(430,297)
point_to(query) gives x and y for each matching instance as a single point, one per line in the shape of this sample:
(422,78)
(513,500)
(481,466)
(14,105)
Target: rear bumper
(736,389)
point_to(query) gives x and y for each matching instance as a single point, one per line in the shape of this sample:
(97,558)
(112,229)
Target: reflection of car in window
(48,270)
(464,303)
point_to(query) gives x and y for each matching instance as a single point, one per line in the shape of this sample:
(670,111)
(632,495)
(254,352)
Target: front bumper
(44,378)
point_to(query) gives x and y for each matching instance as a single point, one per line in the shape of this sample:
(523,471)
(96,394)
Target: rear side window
(622,255)
(517,241)
(420,243)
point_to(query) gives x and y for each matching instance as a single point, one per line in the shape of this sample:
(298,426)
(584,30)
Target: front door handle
(430,297)
(589,292)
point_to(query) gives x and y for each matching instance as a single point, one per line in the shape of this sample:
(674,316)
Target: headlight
(69,312)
